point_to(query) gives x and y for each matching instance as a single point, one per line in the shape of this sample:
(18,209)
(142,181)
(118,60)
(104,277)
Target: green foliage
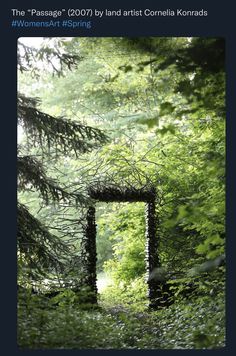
(190,325)
(131,295)
(162,102)
(33,242)
(52,55)
(127,233)
(64,135)
(31,174)
(184,325)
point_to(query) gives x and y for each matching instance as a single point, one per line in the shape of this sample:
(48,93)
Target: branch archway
(120,194)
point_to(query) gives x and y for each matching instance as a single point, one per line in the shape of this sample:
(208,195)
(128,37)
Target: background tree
(170,135)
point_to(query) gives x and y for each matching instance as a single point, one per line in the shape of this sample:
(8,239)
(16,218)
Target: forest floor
(184,325)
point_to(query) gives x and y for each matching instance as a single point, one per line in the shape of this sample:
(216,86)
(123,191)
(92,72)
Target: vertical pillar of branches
(152,259)
(90,255)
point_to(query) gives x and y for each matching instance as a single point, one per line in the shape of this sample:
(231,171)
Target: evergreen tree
(53,137)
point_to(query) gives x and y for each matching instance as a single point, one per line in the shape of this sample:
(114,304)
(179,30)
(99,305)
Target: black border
(219,23)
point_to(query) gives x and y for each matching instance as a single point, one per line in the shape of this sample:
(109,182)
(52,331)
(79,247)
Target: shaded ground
(186,325)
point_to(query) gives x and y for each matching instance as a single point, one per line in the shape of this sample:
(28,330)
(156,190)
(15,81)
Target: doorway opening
(120,243)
